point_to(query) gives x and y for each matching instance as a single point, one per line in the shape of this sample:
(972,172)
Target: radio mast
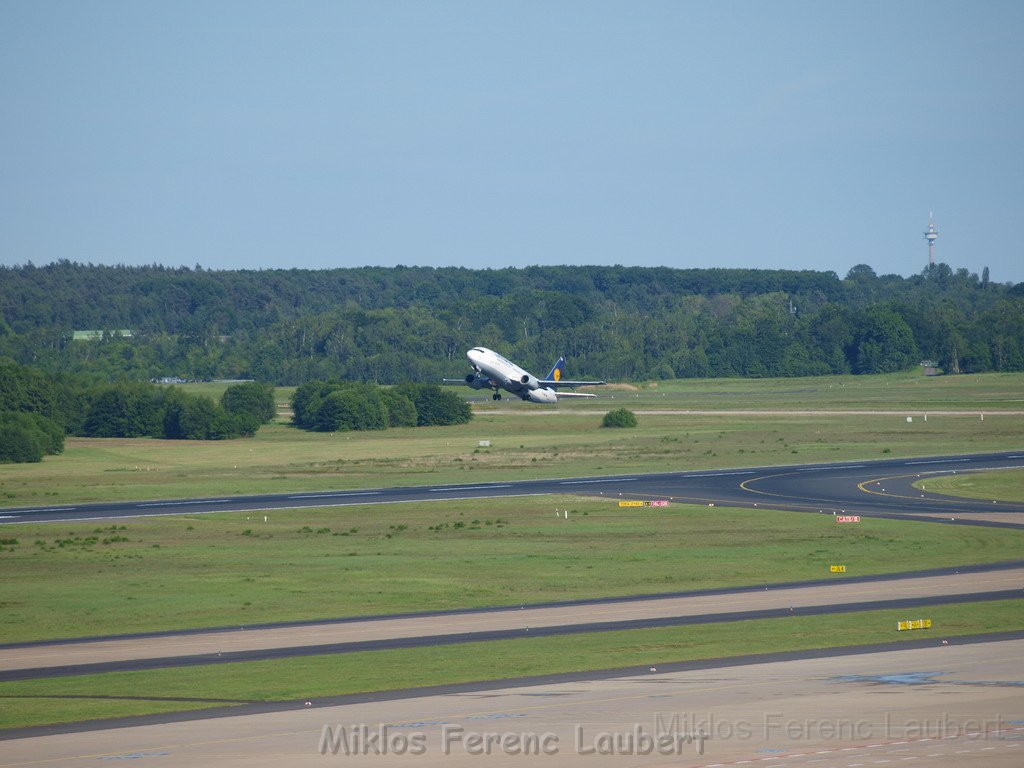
(931,235)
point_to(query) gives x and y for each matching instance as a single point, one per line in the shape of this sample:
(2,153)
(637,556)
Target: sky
(246,135)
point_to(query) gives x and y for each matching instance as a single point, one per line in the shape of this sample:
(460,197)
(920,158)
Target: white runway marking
(721,474)
(335,495)
(176,503)
(55,509)
(467,488)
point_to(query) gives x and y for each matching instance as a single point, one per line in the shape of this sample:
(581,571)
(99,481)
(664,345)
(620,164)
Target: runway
(874,488)
(945,705)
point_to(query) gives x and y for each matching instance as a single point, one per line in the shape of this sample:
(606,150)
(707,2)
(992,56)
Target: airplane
(492,371)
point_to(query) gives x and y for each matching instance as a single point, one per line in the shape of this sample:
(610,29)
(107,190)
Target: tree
(20,442)
(51,431)
(306,401)
(401,410)
(861,273)
(288,327)
(436,406)
(194,417)
(354,407)
(27,437)
(125,410)
(27,389)
(884,343)
(252,399)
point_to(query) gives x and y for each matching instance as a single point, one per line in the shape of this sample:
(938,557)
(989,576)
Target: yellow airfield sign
(913,624)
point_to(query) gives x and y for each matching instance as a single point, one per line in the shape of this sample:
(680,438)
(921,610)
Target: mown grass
(320,676)
(68,580)
(1004,485)
(532,442)
(907,390)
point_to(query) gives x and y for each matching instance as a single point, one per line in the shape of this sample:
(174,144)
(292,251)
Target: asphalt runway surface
(875,488)
(951,705)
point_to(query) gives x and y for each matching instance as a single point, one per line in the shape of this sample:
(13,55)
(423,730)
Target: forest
(388,325)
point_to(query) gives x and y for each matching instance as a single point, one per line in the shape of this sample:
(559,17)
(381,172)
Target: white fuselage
(509,376)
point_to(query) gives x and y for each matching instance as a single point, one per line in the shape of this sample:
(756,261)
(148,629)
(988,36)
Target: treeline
(389,325)
(136,409)
(340,406)
(37,410)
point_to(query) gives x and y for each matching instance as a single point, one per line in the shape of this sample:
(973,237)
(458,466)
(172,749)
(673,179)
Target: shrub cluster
(339,406)
(37,410)
(27,437)
(141,410)
(621,417)
(34,413)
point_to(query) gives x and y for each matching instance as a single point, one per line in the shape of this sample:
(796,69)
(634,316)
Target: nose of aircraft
(474,356)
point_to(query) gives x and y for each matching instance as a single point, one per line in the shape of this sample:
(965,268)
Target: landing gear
(496,396)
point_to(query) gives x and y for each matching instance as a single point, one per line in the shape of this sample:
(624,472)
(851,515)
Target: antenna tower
(931,235)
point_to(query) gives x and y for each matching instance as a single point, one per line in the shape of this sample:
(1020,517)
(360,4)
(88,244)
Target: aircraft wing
(556,383)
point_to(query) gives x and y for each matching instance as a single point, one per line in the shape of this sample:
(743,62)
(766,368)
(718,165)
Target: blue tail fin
(556,372)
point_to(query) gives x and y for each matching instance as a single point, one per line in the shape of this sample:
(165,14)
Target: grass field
(66,580)
(1005,485)
(908,390)
(36,702)
(545,443)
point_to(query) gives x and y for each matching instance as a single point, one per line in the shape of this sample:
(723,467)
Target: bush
(619,418)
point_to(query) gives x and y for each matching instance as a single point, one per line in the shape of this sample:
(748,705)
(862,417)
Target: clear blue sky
(802,135)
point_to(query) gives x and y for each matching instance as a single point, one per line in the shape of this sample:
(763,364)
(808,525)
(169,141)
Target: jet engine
(530,381)
(476,381)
